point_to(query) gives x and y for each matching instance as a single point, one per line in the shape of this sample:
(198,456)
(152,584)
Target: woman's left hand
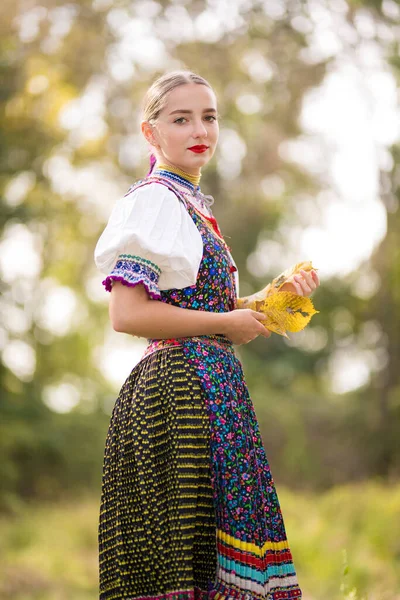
(303,284)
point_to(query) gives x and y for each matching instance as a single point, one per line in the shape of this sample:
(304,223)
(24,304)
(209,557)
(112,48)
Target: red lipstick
(198,149)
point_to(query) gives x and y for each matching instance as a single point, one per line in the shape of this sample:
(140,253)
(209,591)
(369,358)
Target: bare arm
(132,311)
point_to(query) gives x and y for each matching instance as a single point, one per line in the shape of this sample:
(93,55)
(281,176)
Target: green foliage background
(53,55)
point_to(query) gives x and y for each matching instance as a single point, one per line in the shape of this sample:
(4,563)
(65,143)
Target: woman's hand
(243,325)
(302,285)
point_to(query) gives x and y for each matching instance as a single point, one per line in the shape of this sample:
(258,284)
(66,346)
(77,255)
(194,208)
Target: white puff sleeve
(150,239)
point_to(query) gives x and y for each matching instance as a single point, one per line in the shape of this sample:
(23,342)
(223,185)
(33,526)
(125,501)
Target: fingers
(297,285)
(303,287)
(262,329)
(309,279)
(306,282)
(315,277)
(258,315)
(265,332)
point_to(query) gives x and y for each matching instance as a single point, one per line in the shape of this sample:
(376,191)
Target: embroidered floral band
(133,270)
(216,340)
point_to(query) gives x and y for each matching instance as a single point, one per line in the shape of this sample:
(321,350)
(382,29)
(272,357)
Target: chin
(200,159)
(188,163)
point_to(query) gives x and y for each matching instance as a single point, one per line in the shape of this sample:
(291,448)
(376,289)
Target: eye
(211,118)
(180,120)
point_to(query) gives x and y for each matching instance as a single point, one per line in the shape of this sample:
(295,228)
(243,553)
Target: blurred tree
(72,79)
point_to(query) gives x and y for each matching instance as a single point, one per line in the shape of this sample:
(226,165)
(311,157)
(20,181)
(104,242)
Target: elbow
(124,321)
(123,326)
(117,322)
(117,325)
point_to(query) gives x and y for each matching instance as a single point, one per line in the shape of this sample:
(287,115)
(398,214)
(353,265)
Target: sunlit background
(307,168)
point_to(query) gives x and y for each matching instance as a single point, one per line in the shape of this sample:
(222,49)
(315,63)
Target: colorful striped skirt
(189,508)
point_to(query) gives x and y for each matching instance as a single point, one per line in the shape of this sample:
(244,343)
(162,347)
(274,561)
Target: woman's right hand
(243,325)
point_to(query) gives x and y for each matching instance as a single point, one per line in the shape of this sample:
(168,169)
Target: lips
(198,149)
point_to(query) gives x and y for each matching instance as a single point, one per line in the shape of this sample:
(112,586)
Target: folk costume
(189,509)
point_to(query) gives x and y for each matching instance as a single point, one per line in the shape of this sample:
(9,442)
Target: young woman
(189,508)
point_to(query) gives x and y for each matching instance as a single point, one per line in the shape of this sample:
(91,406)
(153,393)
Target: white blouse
(150,238)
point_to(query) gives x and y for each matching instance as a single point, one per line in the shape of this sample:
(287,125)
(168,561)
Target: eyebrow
(190,112)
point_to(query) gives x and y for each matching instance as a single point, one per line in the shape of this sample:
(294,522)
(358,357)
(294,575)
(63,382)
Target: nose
(199,129)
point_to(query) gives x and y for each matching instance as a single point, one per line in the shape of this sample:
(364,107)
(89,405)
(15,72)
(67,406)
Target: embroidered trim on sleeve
(134,270)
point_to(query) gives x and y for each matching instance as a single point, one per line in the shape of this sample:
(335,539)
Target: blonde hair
(156,96)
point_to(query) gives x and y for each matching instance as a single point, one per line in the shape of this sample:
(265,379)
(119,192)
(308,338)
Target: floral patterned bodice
(215,289)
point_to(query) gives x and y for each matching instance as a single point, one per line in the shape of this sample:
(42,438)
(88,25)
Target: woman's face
(186,132)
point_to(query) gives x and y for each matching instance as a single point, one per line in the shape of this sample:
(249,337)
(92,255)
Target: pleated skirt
(188,506)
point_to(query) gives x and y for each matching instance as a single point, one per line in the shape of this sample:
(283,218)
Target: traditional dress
(189,508)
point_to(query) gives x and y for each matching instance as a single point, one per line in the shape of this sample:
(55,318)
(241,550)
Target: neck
(194,179)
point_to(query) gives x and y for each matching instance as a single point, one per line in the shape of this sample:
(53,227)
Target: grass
(345,545)
(346,542)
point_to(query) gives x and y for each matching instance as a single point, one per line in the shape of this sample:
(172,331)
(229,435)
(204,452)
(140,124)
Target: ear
(147,131)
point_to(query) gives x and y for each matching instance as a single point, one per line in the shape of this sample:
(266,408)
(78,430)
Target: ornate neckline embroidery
(195,191)
(193,179)
(176,178)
